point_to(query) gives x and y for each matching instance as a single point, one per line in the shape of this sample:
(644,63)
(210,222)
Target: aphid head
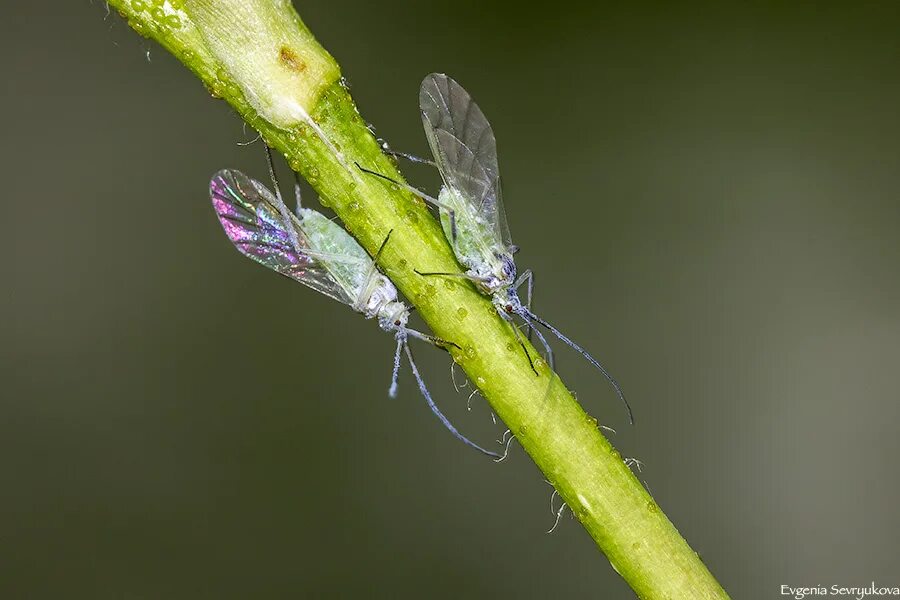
(383,294)
(393,316)
(507,302)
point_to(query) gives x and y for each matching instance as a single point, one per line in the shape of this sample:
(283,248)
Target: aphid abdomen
(476,245)
(342,255)
(473,241)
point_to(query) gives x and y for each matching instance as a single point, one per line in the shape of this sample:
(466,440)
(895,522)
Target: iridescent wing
(252,221)
(464,148)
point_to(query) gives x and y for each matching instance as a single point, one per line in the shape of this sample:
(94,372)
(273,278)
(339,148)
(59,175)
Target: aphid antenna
(417,192)
(436,410)
(527,314)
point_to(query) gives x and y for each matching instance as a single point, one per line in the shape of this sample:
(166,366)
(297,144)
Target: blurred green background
(709,195)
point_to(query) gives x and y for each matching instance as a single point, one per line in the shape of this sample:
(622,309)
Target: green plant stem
(259,57)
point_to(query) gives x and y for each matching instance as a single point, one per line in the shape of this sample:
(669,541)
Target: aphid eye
(397,322)
(509,308)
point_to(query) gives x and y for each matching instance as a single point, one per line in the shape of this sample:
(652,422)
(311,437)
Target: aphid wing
(447,106)
(251,220)
(464,148)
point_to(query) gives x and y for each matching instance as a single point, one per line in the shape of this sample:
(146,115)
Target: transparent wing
(252,221)
(464,148)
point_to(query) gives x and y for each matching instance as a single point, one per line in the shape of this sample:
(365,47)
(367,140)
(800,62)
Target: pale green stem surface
(260,57)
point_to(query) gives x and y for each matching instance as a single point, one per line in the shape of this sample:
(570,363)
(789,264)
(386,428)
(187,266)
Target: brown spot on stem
(290,60)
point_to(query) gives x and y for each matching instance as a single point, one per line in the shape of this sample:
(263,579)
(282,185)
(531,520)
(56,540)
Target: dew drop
(353,206)
(449,284)
(138,27)
(158,14)
(313,172)
(510,346)
(461,313)
(430,291)
(187,55)
(470,352)
(523,430)
(412,216)
(295,165)
(159,2)
(173,21)
(480,381)
(652,507)
(138,5)
(402,263)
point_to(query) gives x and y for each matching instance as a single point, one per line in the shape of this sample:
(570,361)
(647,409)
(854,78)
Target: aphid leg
(527,276)
(282,208)
(271,164)
(417,192)
(298,197)
(410,157)
(522,344)
(551,359)
(530,315)
(436,411)
(471,278)
(392,391)
(431,339)
(366,289)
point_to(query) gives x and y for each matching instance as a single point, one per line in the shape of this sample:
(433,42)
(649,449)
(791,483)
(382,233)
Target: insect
(308,247)
(471,208)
